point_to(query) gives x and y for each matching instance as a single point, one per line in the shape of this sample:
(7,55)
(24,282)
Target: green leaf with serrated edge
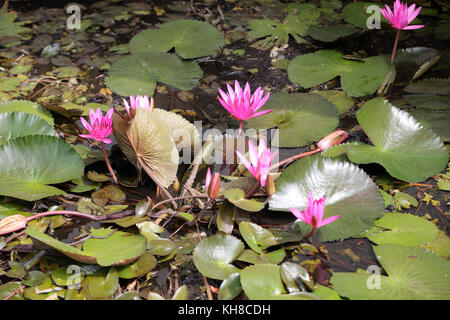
(397,139)
(20,124)
(27,107)
(349,193)
(29,164)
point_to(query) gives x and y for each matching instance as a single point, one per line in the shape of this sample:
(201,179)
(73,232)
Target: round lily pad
(407,150)
(20,124)
(29,164)
(27,107)
(349,192)
(300,118)
(213,256)
(412,274)
(138,73)
(263,282)
(190,38)
(358,78)
(330,33)
(404,229)
(237,197)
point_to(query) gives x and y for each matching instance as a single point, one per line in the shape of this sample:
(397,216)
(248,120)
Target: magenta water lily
(138,102)
(99,129)
(400,19)
(313,214)
(260,160)
(241,104)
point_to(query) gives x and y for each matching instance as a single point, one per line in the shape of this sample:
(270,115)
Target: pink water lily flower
(313,214)
(260,160)
(100,127)
(138,102)
(402,15)
(242,105)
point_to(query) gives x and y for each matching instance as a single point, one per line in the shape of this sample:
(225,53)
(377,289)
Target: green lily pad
(291,273)
(412,274)
(263,282)
(398,139)
(141,266)
(356,13)
(106,247)
(8,288)
(27,107)
(403,229)
(349,192)
(274,33)
(338,98)
(330,33)
(413,62)
(190,38)
(433,86)
(256,236)
(118,248)
(437,121)
(237,197)
(300,118)
(138,73)
(428,101)
(102,284)
(28,164)
(358,78)
(68,276)
(20,124)
(213,256)
(230,288)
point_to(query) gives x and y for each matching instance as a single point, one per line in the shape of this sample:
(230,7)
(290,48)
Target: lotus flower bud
(212,184)
(332,139)
(270,186)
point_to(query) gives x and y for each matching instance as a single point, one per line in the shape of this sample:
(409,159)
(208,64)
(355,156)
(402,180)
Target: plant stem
(297,156)
(178,198)
(241,123)
(111,171)
(395,46)
(309,235)
(253,190)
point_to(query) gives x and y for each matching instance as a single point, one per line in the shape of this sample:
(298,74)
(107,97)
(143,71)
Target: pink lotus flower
(212,184)
(313,214)
(100,127)
(138,102)
(402,16)
(260,161)
(241,104)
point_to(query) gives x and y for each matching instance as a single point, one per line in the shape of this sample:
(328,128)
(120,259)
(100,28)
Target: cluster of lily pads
(331,196)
